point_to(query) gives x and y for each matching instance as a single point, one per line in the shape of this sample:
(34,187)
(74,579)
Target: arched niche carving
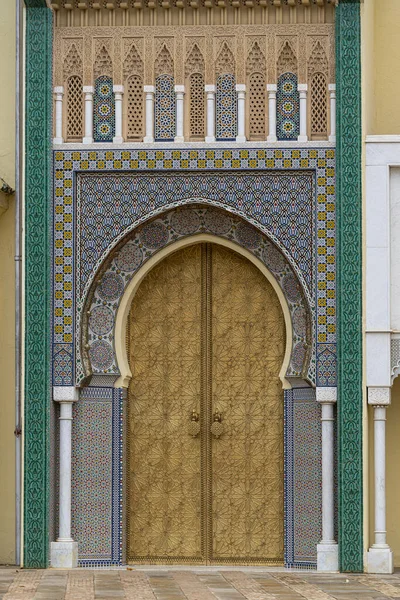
(107,304)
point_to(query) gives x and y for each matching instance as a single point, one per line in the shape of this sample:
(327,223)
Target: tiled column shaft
(271,89)
(58,93)
(88,92)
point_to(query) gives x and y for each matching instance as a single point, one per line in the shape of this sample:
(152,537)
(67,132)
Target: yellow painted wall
(381,66)
(7,302)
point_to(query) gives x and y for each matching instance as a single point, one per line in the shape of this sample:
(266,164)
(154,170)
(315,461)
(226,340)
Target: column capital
(272,87)
(210,88)
(179,89)
(59,89)
(88,89)
(240,87)
(65,393)
(332,87)
(149,89)
(379,396)
(302,87)
(118,89)
(326,395)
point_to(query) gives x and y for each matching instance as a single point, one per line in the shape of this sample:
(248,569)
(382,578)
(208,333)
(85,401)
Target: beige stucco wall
(7,302)
(381,66)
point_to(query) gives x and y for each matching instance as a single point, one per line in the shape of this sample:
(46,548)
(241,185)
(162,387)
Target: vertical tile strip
(349,284)
(37,278)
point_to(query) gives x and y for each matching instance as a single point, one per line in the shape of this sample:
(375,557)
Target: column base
(64,555)
(379,560)
(179,139)
(327,557)
(209,139)
(332,138)
(148,140)
(118,140)
(58,140)
(240,139)
(87,140)
(272,138)
(302,138)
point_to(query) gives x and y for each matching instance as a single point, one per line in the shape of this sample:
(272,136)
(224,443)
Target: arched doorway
(206,341)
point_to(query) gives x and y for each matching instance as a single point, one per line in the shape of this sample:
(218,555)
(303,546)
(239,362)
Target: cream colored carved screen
(197,106)
(74,108)
(205,413)
(319,106)
(134,109)
(257,111)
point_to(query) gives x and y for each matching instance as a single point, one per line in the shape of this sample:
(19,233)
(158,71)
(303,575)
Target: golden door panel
(248,345)
(163,506)
(206,333)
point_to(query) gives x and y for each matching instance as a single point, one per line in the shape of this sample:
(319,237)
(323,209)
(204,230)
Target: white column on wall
(64,552)
(271,90)
(327,549)
(58,95)
(179,95)
(332,102)
(379,557)
(241,112)
(302,89)
(88,93)
(149,91)
(210,95)
(118,94)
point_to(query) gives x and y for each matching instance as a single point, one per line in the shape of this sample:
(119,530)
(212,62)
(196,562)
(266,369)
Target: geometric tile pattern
(145,241)
(226,108)
(287,108)
(97,476)
(158,167)
(103,110)
(164,109)
(303,483)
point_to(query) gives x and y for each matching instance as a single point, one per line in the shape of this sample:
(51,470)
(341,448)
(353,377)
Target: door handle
(194,424)
(217,428)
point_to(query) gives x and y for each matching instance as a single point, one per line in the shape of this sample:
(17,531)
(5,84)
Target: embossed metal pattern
(206,335)
(163,506)
(248,345)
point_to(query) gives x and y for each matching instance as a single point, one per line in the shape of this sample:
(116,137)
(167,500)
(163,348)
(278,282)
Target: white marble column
(210,95)
(302,89)
(379,556)
(327,549)
(88,93)
(179,95)
(271,90)
(58,95)
(241,112)
(149,91)
(332,101)
(118,95)
(64,552)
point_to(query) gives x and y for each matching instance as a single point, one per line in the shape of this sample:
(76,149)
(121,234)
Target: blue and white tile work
(303,477)
(116,208)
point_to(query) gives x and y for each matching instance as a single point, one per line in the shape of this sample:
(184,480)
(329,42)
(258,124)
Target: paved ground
(196,584)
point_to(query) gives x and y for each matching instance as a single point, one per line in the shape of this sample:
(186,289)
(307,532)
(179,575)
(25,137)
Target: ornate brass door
(206,341)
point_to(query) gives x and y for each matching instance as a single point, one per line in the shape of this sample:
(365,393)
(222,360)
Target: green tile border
(349,285)
(37,208)
(38,91)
